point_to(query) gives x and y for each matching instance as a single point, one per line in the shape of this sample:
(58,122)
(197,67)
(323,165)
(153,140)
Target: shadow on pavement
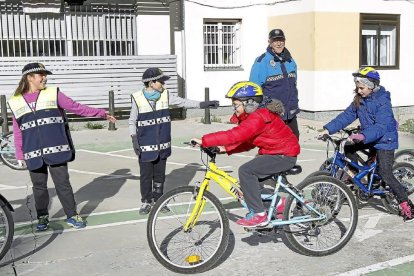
(95,192)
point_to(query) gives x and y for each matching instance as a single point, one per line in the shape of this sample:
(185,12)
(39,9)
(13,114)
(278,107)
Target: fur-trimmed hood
(276,106)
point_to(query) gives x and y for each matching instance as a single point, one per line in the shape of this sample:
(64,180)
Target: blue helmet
(368,72)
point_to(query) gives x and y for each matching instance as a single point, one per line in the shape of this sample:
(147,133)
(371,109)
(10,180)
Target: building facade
(215,42)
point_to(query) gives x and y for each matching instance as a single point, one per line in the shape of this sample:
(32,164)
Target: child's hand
(222,149)
(110,118)
(195,141)
(323,134)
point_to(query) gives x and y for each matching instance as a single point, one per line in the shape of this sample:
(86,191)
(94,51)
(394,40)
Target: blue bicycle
(366,182)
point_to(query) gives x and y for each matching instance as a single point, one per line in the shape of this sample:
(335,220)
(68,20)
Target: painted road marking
(379,266)
(10,187)
(368,230)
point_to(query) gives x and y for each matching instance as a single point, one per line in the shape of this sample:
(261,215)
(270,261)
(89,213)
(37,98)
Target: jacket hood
(276,106)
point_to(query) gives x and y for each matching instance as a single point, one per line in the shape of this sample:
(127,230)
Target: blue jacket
(277,76)
(376,118)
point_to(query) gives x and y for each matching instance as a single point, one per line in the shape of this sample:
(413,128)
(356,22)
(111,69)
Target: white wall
(153,34)
(318,90)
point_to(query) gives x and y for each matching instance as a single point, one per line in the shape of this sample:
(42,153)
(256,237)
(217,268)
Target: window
(222,44)
(88,30)
(380,40)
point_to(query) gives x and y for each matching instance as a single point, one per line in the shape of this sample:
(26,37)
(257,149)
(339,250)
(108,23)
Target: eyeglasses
(235,106)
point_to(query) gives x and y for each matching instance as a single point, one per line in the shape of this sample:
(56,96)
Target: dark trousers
(60,177)
(385,161)
(293,125)
(152,179)
(260,167)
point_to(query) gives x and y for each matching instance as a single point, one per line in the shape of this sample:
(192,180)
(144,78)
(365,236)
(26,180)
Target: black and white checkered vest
(153,127)
(46,138)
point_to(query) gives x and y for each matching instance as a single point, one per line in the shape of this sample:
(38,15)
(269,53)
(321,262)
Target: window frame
(237,23)
(377,20)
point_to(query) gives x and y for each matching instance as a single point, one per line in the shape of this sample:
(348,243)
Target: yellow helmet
(245,90)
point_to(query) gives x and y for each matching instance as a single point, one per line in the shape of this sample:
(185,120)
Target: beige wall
(321,41)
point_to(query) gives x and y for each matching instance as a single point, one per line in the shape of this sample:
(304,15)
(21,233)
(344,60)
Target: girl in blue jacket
(372,106)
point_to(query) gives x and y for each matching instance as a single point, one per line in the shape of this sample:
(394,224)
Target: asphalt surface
(105,179)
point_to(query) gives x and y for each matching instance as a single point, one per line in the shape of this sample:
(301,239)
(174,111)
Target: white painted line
(103,174)
(9,187)
(378,266)
(119,150)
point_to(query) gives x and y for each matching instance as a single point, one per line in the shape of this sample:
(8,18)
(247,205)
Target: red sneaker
(406,211)
(255,221)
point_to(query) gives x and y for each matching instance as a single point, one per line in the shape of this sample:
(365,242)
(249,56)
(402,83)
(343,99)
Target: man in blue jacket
(275,71)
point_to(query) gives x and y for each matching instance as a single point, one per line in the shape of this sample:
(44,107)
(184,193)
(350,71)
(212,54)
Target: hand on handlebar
(356,138)
(195,142)
(323,135)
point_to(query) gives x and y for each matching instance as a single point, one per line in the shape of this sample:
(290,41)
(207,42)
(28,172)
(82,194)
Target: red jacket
(262,128)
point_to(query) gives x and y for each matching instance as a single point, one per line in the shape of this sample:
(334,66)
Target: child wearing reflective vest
(43,142)
(150,130)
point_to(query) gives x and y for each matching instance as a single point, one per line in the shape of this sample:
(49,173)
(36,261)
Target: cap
(154,74)
(35,67)
(276,33)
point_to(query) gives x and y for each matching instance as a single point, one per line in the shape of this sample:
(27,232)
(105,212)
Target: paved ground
(105,178)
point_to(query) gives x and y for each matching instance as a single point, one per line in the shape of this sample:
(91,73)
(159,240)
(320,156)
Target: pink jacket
(65,103)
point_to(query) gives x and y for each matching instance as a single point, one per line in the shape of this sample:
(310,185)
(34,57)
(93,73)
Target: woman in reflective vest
(43,141)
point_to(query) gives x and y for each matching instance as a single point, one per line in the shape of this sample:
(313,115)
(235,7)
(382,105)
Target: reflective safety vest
(153,127)
(46,137)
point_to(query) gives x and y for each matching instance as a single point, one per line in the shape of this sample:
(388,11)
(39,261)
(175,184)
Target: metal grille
(222,45)
(88,30)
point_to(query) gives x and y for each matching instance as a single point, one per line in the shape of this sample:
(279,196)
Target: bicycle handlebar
(210,151)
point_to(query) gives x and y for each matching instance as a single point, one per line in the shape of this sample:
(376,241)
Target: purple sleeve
(18,141)
(67,103)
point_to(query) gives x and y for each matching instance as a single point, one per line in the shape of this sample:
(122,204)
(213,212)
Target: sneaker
(165,209)
(145,208)
(76,222)
(253,221)
(43,223)
(407,211)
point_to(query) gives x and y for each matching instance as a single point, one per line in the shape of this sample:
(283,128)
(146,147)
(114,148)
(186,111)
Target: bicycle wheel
(404,172)
(8,152)
(330,197)
(197,249)
(6,229)
(406,155)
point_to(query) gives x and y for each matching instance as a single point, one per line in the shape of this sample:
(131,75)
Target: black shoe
(145,208)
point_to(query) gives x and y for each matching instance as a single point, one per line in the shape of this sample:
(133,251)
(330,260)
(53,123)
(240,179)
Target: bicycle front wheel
(8,152)
(331,198)
(196,249)
(6,229)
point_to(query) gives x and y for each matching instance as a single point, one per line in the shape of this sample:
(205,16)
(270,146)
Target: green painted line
(399,270)
(111,218)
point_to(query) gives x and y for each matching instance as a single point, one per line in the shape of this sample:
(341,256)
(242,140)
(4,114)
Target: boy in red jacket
(257,127)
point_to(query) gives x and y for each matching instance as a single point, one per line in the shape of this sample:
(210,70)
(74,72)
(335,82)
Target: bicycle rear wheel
(330,197)
(8,152)
(197,249)
(6,229)
(406,155)
(404,172)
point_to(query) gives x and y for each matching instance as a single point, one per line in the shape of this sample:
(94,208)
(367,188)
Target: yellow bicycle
(319,218)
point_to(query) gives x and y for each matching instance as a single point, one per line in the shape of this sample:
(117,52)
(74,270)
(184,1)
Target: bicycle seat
(293,171)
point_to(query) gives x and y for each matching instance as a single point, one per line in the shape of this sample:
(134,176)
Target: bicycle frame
(232,187)
(341,161)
